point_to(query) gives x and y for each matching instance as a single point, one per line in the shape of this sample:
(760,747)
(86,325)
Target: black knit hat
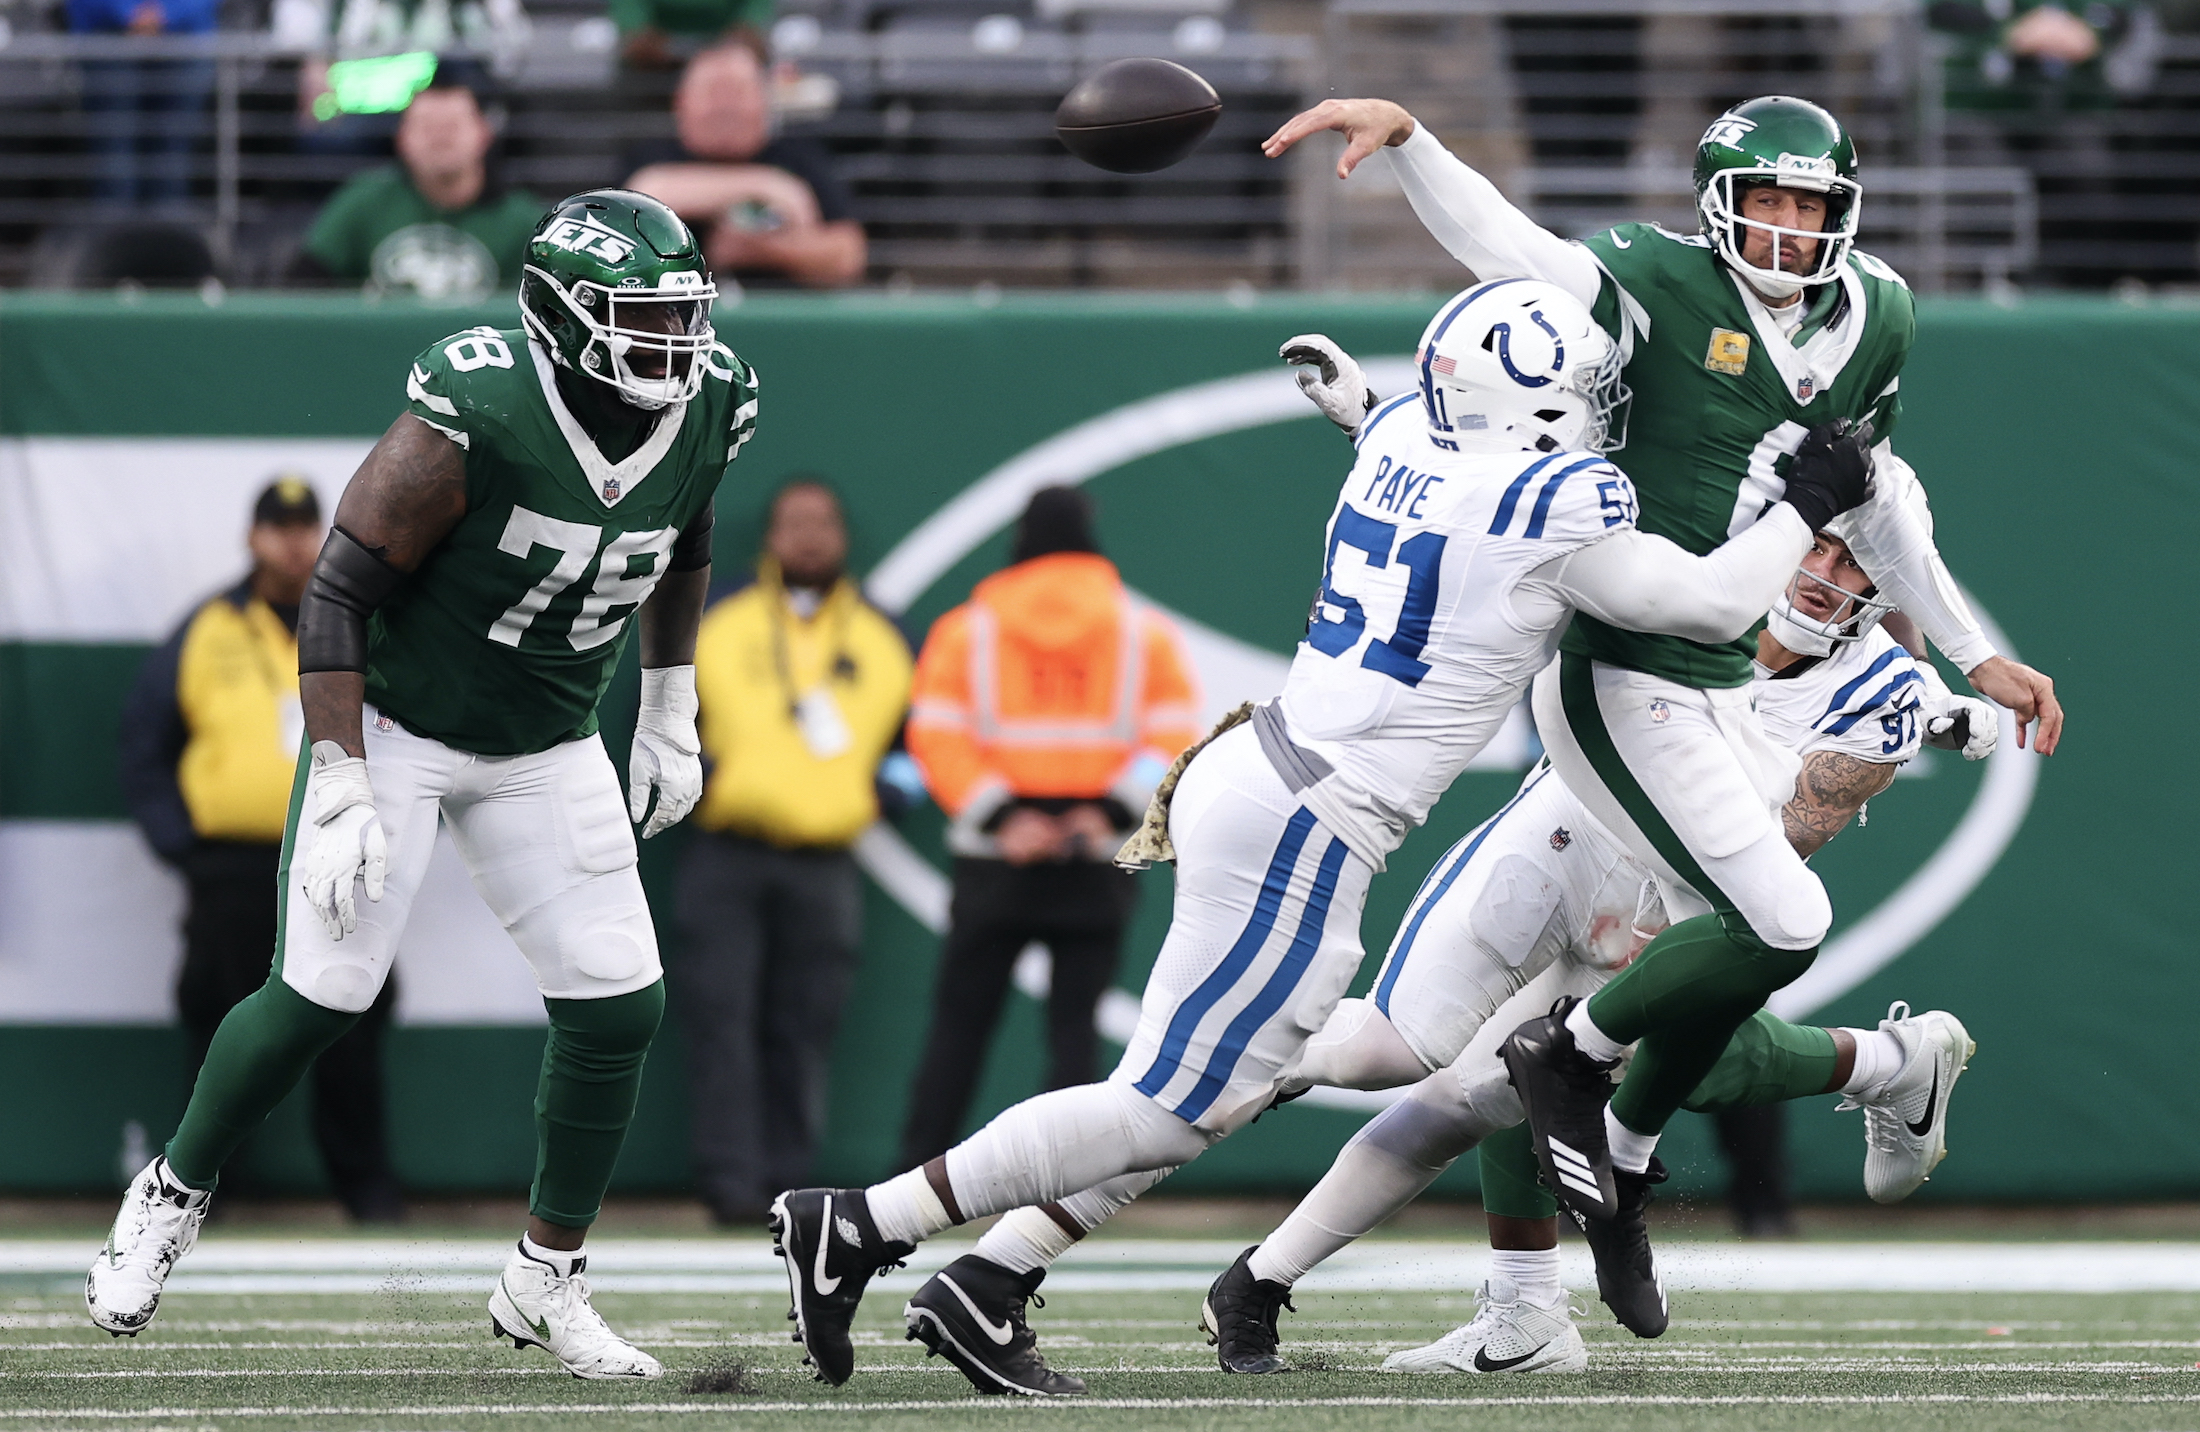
(1059,519)
(287,501)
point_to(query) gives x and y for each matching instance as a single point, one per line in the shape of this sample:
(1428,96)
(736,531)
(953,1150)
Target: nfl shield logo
(611,489)
(1561,838)
(1805,388)
(1660,713)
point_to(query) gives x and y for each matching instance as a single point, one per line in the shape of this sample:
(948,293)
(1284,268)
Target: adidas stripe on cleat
(1564,1093)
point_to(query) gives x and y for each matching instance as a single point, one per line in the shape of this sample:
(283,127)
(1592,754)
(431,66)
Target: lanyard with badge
(816,714)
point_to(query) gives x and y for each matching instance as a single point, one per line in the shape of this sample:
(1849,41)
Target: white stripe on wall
(90,933)
(112,539)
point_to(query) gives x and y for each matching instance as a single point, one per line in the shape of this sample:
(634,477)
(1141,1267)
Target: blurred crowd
(388,166)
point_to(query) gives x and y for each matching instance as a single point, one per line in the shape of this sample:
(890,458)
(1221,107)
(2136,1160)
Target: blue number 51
(1397,657)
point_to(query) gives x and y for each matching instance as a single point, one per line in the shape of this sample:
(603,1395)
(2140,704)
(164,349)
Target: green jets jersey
(1722,400)
(504,639)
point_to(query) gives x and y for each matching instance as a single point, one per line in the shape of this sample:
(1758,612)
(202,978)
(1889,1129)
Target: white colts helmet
(1519,363)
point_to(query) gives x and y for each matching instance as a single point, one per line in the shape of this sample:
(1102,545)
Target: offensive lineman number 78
(575,543)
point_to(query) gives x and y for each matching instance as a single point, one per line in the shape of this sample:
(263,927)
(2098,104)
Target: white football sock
(905,1209)
(1879,1057)
(1045,1148)
(1388,1163)
(1534,1271)
(1589,1039)
(1024,1239)
(561,1263)
(1030,1238)
(1630,1150)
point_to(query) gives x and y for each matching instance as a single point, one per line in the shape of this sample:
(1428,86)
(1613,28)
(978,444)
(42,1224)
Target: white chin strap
(1792,634)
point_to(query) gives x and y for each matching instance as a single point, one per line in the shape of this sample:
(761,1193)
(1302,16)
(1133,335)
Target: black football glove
(1832,471)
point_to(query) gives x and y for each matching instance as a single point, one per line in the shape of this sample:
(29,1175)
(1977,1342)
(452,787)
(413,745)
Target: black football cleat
(1564,1093)
(832,1250)
(1239,1318)
(972,1313)
(1627,1277)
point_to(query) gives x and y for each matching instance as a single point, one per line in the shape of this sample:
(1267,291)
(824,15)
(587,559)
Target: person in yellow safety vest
(1047,708)
(209,745)
(802,685)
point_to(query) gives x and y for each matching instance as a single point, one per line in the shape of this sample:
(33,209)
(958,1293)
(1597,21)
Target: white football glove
(1329,376)
(1957,723)
(668,755)
(339,838)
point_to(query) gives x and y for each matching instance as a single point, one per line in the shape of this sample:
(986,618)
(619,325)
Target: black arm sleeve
(348,583)
(692,550)
(153,738)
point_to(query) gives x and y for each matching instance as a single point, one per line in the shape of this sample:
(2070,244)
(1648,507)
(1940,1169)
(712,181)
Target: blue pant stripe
(1272,995)
(1242,954)
(1472,843)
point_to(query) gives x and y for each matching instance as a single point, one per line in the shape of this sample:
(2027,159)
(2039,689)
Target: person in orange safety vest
(1045,711)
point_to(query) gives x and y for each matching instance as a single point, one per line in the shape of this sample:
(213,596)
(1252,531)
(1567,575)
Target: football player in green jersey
(545,484)
(1739,339)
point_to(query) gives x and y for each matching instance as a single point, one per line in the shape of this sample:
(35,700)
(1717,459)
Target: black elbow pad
(348,583)
(692,549)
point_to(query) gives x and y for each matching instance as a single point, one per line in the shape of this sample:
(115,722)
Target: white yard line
(716,1266)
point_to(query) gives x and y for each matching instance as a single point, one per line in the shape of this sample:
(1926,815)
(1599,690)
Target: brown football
(1136,116)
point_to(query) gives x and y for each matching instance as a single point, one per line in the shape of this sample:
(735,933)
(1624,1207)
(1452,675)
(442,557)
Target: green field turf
(403,1360)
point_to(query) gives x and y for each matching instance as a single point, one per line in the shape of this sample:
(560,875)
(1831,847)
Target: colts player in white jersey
(1478,518)
(1541,902)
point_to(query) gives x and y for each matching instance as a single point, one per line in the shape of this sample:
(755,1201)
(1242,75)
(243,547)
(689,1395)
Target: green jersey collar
(610,481)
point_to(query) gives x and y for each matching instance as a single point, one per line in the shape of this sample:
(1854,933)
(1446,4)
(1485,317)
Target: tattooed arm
(405,498)
(1831,790)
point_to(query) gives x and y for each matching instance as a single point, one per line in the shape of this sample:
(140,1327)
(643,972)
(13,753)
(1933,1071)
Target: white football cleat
(1508,1334)
(534,1307)
(158,1223)
(1906,1118)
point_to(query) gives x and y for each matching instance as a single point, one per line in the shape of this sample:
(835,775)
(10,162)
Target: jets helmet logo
(588,235)
(1729,130)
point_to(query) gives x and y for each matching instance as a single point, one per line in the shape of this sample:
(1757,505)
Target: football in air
(1136,116)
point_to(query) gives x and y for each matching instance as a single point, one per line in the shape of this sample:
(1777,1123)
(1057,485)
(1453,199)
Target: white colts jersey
(1414,652)
(1864,700)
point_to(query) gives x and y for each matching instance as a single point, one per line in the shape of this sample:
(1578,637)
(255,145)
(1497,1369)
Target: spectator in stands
(1042,737)
(209,746)
(803,685)
(654,33)
(2031,83)
(770,209)
(144,114)
(436,223)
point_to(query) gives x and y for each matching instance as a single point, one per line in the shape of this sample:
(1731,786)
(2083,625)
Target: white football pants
(547,841)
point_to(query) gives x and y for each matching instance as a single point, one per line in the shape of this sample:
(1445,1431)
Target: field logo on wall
(1207,410)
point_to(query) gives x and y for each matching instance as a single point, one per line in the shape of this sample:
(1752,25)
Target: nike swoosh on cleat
(1925,1125)
(824,1284)
(1483,1362)
(999,1332)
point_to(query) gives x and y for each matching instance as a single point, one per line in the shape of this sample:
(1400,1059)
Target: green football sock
(1683,998)
(263,1048)
(1766,1062)
(1509,1186)
(591,1078)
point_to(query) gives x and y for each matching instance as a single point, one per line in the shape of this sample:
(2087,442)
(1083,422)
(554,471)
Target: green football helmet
(1796,145)
(615,289)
